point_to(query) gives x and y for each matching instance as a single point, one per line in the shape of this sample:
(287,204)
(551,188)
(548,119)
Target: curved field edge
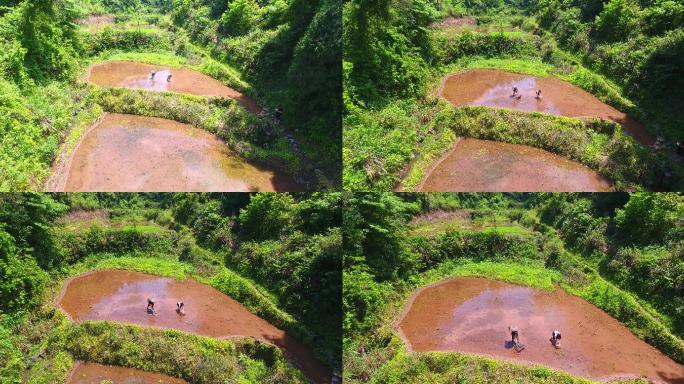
(197,359)
(599,292)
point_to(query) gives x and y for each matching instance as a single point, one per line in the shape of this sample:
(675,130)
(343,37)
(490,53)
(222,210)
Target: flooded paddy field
(121,296)
(126,153)
(490,166)
(472,315)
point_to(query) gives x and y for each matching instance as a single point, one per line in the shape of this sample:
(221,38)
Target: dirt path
(489,166)
(137,75)
(121,296)
(472,315)
(126,153)
(90,373)
(494,88)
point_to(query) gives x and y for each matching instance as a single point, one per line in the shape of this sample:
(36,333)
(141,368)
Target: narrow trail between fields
(121,296)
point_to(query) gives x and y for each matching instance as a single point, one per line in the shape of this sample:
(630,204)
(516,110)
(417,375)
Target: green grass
(468,226)
(454,367)
(194,358)
(530,274)
(252,137)
(532,67)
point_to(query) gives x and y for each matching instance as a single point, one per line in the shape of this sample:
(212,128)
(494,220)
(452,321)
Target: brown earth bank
(126,153)
(96,22)
(472,315)
(127,74)
(493,88)
(489,166)
(453,21)
(121,296)
(90,373)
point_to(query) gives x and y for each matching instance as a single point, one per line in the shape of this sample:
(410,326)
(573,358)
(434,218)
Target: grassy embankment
(535,258)
(392,145)
(134,243)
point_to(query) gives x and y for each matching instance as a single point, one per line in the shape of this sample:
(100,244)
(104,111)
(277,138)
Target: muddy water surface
(489,166)
(89,373)
(128,74)
(494,89)
(126,153)
(472,315)
(121,296)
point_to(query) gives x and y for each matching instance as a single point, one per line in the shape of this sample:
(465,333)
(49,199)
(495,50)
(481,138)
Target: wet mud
(494,88)
(126,153)
(489,166)
(128,74)
(121,296)
(473,315)
(90,373)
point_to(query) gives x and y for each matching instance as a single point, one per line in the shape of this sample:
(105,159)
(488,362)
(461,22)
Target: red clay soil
(128,74)
(490,166)
(450,22)
(494,88)
(121,296)
(472,315)
(126,153)
(96,22)
(90,373)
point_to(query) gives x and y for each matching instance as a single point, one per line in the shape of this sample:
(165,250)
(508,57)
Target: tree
(651,218)
(239,17)
(618,20)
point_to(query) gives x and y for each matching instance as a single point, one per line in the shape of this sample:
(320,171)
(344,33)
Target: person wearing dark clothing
(150,305)
(555,338)
(514,335)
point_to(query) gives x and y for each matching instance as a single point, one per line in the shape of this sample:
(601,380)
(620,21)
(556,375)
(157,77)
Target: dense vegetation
(620,252)
(285,54)
(277,254)
(396,52)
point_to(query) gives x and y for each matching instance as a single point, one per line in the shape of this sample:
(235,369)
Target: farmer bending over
(152,74)
(168,78)
(150,305)
(514,335)
(539,94)
(555,338)
(180,307)
(515,91)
